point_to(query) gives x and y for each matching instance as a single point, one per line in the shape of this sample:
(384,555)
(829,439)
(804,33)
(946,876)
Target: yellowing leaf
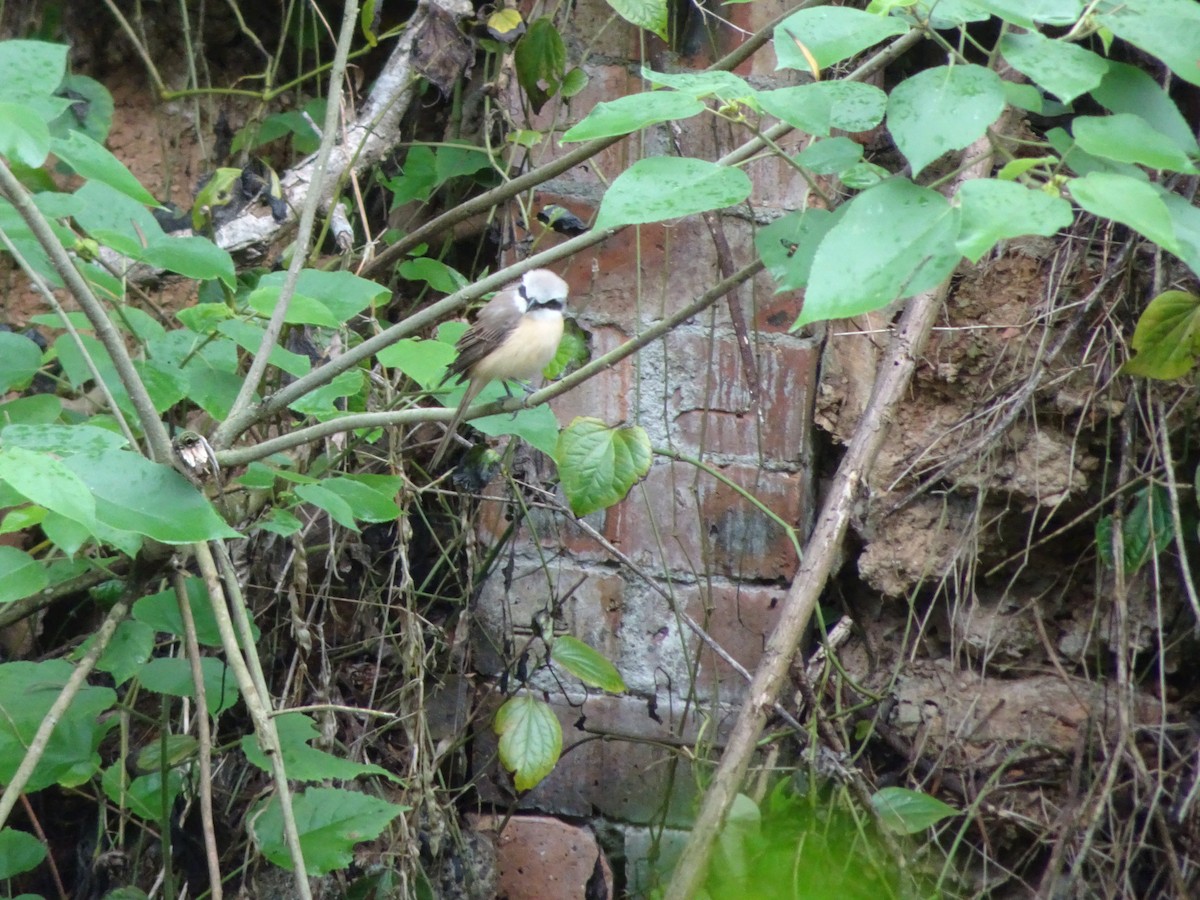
(1167,337)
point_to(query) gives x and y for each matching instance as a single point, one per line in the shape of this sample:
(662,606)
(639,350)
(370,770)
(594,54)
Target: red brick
(716,411)
(684,521)
(543,858)
(739,618)
(607,395)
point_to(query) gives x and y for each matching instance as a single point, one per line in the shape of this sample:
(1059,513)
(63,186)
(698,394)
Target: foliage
(78,476)
(803,843)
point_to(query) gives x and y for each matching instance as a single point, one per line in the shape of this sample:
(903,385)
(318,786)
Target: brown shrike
(515,335)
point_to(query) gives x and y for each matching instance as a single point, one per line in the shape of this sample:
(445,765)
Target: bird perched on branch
(514,337)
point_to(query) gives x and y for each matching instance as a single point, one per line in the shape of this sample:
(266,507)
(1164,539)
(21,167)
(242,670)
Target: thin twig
(308,213)
(258,705)
(203,734)
(1177,517)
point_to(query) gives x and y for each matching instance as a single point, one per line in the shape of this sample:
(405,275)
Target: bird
(514,336)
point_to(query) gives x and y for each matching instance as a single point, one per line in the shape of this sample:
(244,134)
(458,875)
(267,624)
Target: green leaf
(994,210)
(249,336)
(461,159)
(331,822)
(323,498)
(724,85)
(27,690)
(1127,89)
(1084,163)
(818,108)
(830,156)
(19,852)
(134,494)
(909,812)
(48,482)
(367,504)
(537,426)
(116,219)
(787,246)
(1147,529)
(323,401)
(530,739)
(342,293)
(599,464)
(423,361)
(130,647)
(1166,29)
(166,386)
(943,109)
(191,256)
(893,241)
(20,358)
(92,160)
(586,664)
(434,272)
(305,763)
(91,101)
(1027,13)
(1129,138)
(204,318)
(24,137)
(1129,201)
(143,796)
(31,71)
(1185,218)
(281,522)
(648,14)
(179,749)
(573,83)
(1062,68)
(38,409)
(946,14)
(22,518)
(628,114)
(667,187)
(20,575)
(302,310)
(173,677)
(540,60)
(161,612)
(1167,337)
(831,34)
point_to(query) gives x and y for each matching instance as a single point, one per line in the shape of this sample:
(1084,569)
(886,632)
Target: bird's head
(542,289)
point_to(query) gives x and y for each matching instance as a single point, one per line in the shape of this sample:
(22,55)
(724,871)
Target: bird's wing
(493,322)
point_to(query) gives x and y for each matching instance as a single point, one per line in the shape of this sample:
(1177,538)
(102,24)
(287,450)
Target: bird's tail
(473,389)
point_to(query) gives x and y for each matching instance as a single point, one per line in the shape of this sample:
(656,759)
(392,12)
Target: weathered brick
(716,412)
(739,618)
(592,612)
(633,775)
(543,858)
(681,520)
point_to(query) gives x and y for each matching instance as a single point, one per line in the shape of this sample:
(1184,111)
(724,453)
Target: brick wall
(719,558)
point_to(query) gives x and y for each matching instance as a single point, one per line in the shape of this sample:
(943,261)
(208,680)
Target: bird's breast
(526,349)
